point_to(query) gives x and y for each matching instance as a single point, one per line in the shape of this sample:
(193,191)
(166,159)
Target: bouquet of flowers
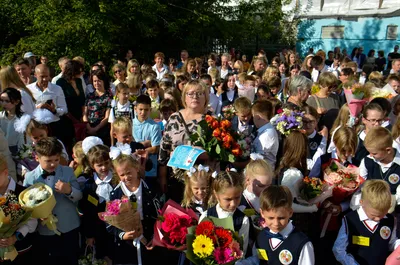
(245,145)
(12,217)
(26,157)
(213,241)
(315,89)
(228,112)
(287,121)
(384,92)
(217,138)
(171,228)
(123,215)
(39,198)
(344,181)
(315,190)
(355,97)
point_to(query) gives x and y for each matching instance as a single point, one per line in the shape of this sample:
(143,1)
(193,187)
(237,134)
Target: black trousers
(59,250)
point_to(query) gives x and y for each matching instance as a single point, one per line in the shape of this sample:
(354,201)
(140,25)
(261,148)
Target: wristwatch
(19,236)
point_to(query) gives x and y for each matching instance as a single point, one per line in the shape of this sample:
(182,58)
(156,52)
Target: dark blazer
(235,124)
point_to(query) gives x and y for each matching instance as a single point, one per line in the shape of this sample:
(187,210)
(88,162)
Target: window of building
(332,32)
(391,33)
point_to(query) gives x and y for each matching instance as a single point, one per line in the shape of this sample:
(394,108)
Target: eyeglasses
(374,121)
(194,94)
(117,71)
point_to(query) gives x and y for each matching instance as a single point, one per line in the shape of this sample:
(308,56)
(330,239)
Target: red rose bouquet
(214,241)
(171,228)
(217,138)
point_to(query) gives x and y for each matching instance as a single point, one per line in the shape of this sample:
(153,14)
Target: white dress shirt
(138,194)
(307,256)
(341,243)
(104,187)
(53,92)
(55,79)
(160,74)
(244,230)
(267,143)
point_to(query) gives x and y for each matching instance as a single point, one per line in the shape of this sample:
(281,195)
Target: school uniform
(316,148)
(148,206)
(59,249)
(228,98)
(96,193)
(361,151)
(365,241)
(119,110)
(25,234)
(240,221)
(243,128)
(373,169)
(197,207)
(266,143)
(289,246)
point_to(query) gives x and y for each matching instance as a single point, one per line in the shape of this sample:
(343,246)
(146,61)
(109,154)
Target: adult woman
(283,67)
(10,78)
(299,91)
(324,100)
(190,67)
(276,61)
(71,85)
(133,67)
(370,59)
(291,58)
(97,107)
(195,98)
(306,66)
(119,74)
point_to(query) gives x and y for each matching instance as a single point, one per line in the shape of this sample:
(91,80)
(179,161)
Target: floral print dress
(97,107)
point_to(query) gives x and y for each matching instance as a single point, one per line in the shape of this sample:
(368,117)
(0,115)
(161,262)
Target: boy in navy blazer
(52,248)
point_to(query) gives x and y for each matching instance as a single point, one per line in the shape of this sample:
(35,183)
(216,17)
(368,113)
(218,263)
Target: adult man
(31,59)
(184,57)
(393,55)
(225,69)
(395,68)
(24,71)
(45,60)
(61,63)
(51,97)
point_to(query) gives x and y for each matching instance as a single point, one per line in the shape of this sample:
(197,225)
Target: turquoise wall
(368,32)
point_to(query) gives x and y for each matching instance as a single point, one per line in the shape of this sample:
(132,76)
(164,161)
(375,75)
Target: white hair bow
(203,168)
(116,151)
(191,171)
(255,156)
(214,174)
(89,142)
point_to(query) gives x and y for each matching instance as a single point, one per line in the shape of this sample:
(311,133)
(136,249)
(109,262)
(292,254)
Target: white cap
(28,55)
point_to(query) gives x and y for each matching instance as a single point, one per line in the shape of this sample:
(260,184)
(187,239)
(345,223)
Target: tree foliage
(99,29)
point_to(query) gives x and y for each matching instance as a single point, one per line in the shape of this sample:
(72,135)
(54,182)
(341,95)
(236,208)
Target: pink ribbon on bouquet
(355,104)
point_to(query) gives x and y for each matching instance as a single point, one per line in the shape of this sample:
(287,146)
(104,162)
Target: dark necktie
(272,235)
(45,174)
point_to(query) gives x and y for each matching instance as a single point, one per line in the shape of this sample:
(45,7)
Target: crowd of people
(100,136)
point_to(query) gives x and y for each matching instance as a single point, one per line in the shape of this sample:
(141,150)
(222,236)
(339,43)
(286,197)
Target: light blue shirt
(144,131)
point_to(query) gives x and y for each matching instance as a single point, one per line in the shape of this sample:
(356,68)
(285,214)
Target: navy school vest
(287,252)
(368,245)
(391,176)
(313,144)
(361,150)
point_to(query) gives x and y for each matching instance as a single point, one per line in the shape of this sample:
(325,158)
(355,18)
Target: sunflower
(203,246)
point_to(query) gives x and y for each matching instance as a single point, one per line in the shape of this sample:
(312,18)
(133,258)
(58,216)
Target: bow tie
(45,174)
(272,235)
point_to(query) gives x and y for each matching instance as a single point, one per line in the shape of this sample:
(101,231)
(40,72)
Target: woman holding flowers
(323,100)
(195,98)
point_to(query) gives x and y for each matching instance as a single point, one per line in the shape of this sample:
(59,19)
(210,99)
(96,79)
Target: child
(167,107)
(123,134)
(78,159)
(132,186)
(148,133)
(242,122)
(57,249)
(230,93)
(121,106)
(197,189)
(316,142)
(11,102)
(263,92)
(153,92)
(282,242)
(227,190)
(387,108)
(266,143)
(96,193)
(275,85)
(23,238)
(395,110)
(368,234)
(383,161)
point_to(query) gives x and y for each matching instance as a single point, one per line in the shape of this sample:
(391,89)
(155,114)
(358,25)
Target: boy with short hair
(281,242)
(369,233)
(57,249)
(147,132)
(267,142)
(263,92)
(274,85)
(153,89)
(242,122)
